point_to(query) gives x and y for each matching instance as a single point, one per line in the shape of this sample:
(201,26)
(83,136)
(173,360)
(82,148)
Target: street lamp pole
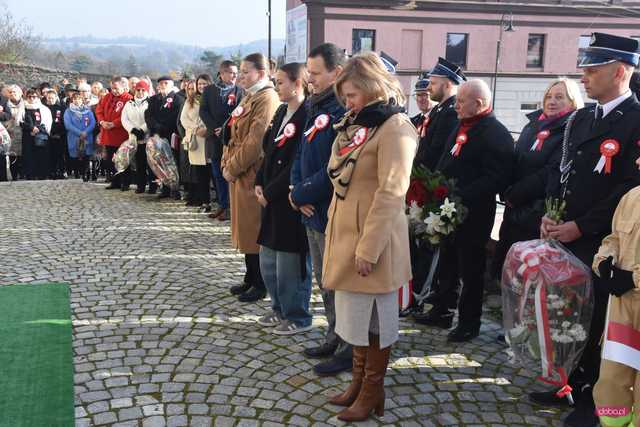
(498,51)
(269,37)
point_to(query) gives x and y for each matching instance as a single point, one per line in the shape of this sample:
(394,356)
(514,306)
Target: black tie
(599,114)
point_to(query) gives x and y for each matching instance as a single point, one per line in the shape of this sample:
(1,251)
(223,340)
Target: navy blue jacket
(309,177)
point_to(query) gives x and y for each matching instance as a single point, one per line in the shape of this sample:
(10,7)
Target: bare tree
(17,39)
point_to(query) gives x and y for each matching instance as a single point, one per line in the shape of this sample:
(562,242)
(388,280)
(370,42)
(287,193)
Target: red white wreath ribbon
(231,99)
(37,114)
(540,138)
(86,121)
(320,123)
(168,103)
(461,139)
(608,149)
(119,105)
(423,127)
(237,113)
(58,114)
(358,139)
(288,133)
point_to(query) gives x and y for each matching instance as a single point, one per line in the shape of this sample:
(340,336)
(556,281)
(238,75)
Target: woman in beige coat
(366,258)
(241,159)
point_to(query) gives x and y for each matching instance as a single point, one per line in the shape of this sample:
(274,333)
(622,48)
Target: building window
(583,43)
(363,40)
(457,48)
(529,106)
(535,50)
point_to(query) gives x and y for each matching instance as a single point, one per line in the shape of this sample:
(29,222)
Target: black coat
(443,119)
(592,197)
(215,109)
(482,170)
(281,228)
(527,188)
(5,110)
(162,114)
(57,125)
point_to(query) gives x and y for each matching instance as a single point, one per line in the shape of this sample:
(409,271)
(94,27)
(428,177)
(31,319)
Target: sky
(205,23)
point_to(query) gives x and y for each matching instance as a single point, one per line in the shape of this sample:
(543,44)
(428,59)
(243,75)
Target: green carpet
(36,363)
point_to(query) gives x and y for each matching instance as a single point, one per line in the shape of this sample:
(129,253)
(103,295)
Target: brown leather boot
(351,393)
(371,396)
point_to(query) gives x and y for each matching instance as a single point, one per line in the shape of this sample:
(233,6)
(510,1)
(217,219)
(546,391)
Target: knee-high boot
(357,375)
(371,396)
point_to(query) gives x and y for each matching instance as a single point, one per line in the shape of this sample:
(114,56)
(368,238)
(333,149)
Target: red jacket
(109,109)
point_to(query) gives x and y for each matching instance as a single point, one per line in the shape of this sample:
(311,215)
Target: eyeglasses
(32,96)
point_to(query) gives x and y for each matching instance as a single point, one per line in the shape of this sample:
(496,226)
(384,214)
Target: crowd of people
(312,163)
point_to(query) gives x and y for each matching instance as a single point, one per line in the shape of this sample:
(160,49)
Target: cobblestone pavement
(158,340)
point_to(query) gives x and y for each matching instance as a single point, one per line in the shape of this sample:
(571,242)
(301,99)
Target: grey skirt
(359,314)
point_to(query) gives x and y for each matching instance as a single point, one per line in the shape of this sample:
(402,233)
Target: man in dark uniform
(218,102)
(479,156)
(162,119)
(423,101)
(444,80)
(596,169)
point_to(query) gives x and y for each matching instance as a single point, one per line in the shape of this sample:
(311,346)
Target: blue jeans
(289,291)
(222,186)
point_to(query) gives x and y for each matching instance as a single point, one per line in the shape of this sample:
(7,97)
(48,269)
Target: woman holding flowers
(367,243)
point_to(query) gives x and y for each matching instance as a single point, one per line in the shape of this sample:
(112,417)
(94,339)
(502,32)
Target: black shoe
(582,416)
(139,190)
(548,399)
(153,188)
(435,317)
(240,289)
(205,208)
(164,193)
(85,178)
(124,188)
(333,366)
(112,187)
(324,350)
(412,309)
(176,195)
(94,177)
(253,295)
(191,203)
(463,333)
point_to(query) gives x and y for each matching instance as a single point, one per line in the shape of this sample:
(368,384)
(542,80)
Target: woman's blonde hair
(572,89)
(367,73)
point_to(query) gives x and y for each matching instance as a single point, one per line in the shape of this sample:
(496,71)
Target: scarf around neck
(354,130)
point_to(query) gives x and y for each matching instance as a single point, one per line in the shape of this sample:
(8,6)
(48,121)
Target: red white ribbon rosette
(320,123)
(608,149)
(423,127)
(37,114)
(358,139)
(168,103)
(540,138)
(288,133)
(461,139)
(235,115)
(58,114)
(86,121)
(231,99)
(119,106)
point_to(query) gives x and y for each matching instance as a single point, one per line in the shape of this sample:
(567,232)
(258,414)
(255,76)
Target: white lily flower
(434,223)
(415,211)
(448,208)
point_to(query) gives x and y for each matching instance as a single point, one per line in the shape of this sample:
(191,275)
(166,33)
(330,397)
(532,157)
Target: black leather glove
(616,281)
(621,282)
(139,133)
(604,268)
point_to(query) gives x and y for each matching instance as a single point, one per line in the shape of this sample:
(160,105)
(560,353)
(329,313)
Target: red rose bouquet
(434,210)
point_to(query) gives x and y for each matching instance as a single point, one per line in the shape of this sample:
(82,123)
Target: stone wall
(29,75)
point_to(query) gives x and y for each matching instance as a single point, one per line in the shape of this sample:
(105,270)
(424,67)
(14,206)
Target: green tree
(211,59)
(81,63)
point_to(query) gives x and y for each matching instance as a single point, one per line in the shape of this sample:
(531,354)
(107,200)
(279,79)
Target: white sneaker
(290,328)
(270,320)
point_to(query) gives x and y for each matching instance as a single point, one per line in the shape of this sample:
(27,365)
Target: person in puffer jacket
(134,122)
(80,122)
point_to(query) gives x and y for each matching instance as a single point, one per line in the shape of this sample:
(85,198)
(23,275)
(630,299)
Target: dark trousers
(3,167)
(144,175)
(41,162)
(27,157)
(56,159)
(202,185)
(121,179)
(80,165)
(221,184)
(16,167)
(421,255)
(253,276)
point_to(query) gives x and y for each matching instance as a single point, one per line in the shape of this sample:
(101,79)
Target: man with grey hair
(479,156)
